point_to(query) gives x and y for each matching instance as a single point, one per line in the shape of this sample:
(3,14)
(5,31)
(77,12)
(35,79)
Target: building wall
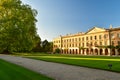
(87,43)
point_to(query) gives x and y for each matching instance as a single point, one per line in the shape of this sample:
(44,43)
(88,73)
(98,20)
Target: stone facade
(93,42)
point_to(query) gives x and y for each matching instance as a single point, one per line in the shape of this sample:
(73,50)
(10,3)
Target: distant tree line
(43,46)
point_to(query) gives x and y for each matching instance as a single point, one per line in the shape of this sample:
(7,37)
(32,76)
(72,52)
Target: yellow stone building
(93,42)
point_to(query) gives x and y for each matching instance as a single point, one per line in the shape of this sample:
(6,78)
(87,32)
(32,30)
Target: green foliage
(111,46)
(47,46)
(37,46)
(82,48)
(17,26)
(117,47)
(9,71)
(57,50)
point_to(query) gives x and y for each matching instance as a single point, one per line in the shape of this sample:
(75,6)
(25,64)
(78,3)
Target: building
(95,41)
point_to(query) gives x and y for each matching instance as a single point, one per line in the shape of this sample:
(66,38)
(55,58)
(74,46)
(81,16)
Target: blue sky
(61,17)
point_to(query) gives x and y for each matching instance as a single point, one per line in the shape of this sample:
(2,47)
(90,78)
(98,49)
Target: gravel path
(62,71)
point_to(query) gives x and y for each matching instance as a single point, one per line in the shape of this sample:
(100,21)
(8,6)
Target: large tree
(17,26)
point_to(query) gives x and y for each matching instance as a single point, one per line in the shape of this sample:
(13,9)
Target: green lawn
(98,62)
(9,71)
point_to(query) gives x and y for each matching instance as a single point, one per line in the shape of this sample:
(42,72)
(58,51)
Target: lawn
(9,71)
(98,62)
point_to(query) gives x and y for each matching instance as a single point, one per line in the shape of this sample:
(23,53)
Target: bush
(57,50)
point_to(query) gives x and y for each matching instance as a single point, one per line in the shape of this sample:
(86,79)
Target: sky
(61,17)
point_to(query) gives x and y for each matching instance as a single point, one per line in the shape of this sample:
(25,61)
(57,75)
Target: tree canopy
(17,26)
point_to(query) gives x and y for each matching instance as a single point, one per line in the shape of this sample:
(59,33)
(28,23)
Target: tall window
(100,36)
(100,43)
(76,39)
(83,45)
(87,44)
(72,45)
(119,43)
(95,37)
(95,43)
(72,40)
(79,39)
(118,35)
(105,36)
(83,39)
(90,37)
(86,38)
(112,35)
(67,40)
(79,44)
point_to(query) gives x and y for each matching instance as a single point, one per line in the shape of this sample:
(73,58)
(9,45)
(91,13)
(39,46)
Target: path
(62,71)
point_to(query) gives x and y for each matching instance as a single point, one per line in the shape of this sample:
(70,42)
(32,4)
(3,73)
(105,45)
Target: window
(95,43)
(118,42)
(75,39)
(105,36)
(75,45)
(118,35)
(90,37)
(79,44)
(86,38)
(70,40)
(83,44)
(79,39)
(69,45)
(105,42)
(95,37)
(112,35)
(100,36)
(100,43)
(83,39)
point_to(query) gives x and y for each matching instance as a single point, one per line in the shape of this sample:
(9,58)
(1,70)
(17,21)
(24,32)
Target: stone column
(116,52)
(78,51)
(103,51)
(85,51)
(81,51)
(99,51)
(109,52)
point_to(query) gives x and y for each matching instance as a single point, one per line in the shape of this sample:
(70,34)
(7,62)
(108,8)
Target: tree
(37,46)
(17,26)
(57,50)
(47,46)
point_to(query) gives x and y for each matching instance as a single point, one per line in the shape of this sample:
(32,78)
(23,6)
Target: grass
(97,62)
(9,71)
